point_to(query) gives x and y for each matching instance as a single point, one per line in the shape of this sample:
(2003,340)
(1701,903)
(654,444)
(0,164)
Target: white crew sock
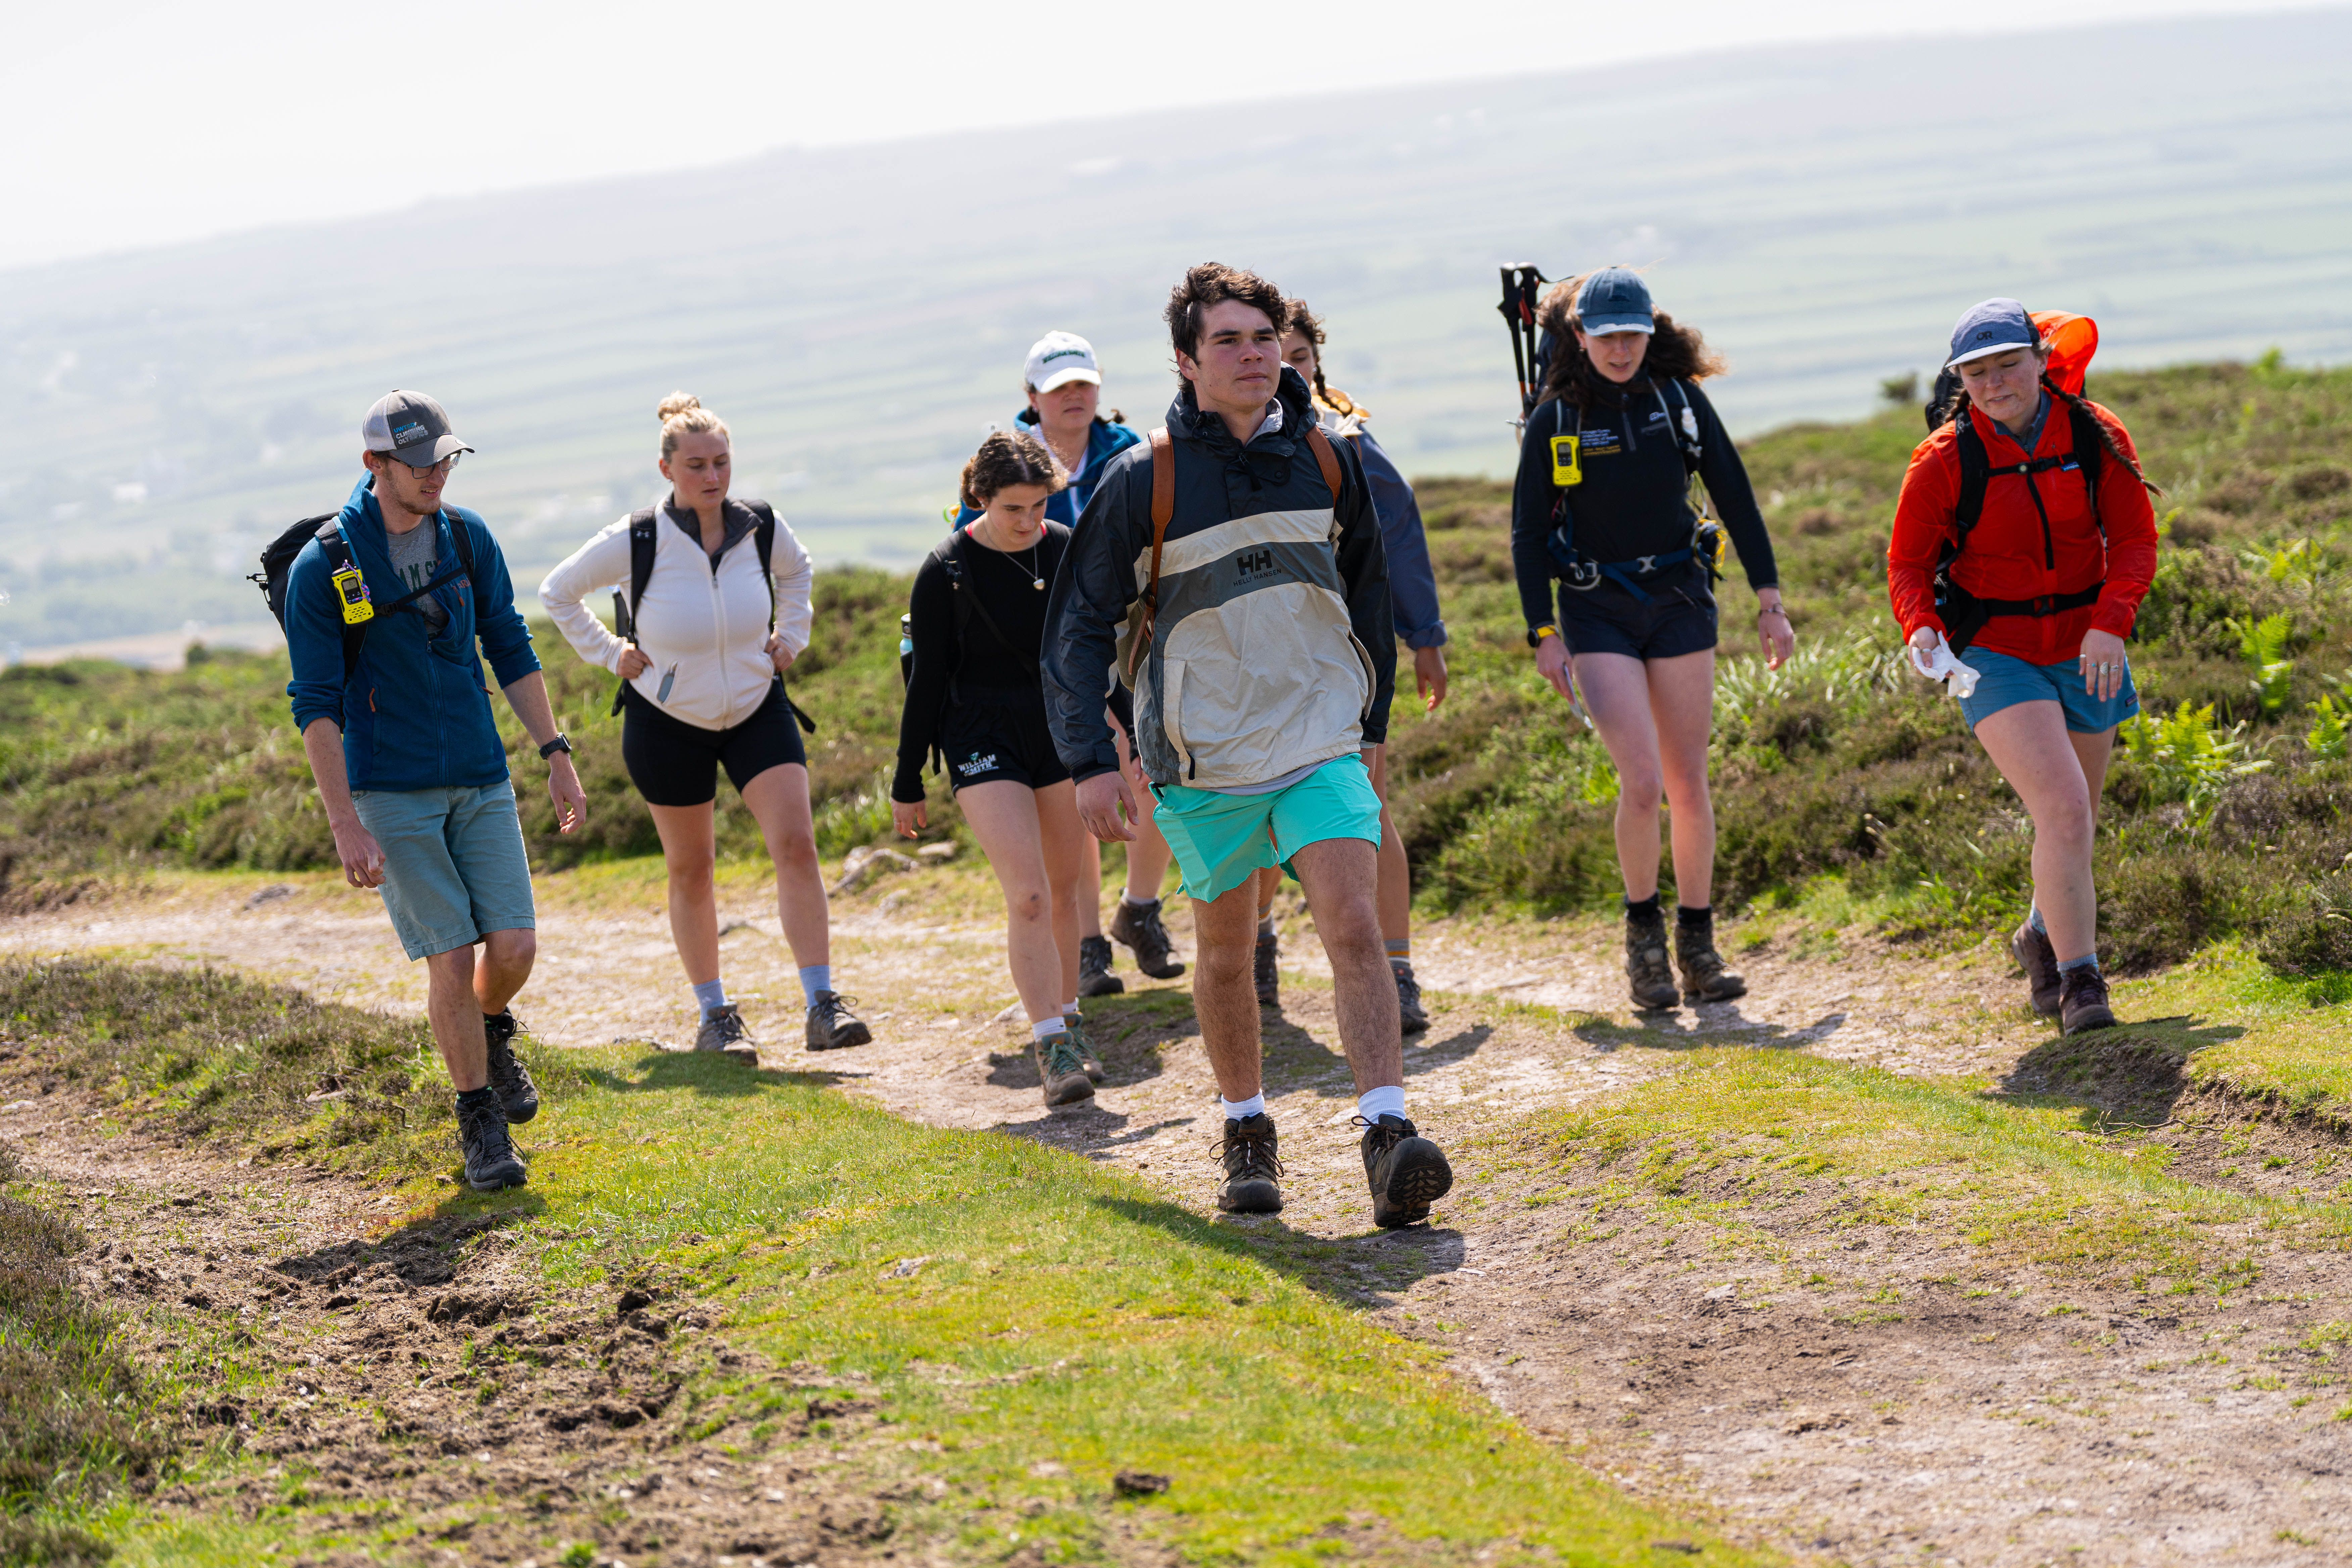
(1386,1101)
(1051,1027)
(1237,1109)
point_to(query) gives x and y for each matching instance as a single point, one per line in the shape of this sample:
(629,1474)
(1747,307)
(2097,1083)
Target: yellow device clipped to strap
(353,590)
(1566,468)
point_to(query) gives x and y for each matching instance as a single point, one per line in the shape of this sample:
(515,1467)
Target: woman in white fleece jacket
(714,634)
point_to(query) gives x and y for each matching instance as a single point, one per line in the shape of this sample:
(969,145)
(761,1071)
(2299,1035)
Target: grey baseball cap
(412,427)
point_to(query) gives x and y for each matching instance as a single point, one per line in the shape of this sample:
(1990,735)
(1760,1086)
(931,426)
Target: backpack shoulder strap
(1686,426)
(1163,512)
(337,547)
(2090,451)
(1975,469)
(641,556)
(763,540)
(461,536)
(1325,459)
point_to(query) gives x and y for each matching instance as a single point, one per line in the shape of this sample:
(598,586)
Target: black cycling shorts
(673,763)
(984,743)
(1678,619)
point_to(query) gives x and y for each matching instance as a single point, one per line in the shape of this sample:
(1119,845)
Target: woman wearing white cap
(2025,543)
(1065,388)
(1602,504)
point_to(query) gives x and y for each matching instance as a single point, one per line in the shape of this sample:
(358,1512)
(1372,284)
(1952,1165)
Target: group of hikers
(1184,642)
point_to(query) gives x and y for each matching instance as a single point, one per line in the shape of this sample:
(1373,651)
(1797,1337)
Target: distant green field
(860,314)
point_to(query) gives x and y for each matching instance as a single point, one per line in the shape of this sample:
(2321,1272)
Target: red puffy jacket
(2007,556)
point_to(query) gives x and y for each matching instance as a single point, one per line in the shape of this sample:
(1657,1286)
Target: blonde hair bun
(676,403)
(682,413)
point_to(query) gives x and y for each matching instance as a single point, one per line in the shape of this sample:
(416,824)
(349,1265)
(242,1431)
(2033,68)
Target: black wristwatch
(562,743)
(1535,635)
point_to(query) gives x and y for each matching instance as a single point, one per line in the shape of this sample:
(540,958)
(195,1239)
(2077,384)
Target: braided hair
(1297,318)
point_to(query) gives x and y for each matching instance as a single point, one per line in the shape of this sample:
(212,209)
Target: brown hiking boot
(1137,927)
(1406,1172)
(832,1027)
(1095,978)
(2034,956)
(1061,1069)
(1651,981)
(725,1030)
(1412,1017)
(1705,978)
(1253,1161)
(2082,1001)
(1268,978)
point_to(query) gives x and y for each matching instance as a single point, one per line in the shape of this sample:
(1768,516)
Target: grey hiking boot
(2082,1001)
(2034,956)
(1407,1172)
(1705,978)
(1137,927)
(1061,1069)
(1253,1161)
(518,1095)
(1414,1017)
(1261,970)
(491,1161)
(1095,978)
(832,1027)
(725,1030)
(1646,972)
(1085,1047)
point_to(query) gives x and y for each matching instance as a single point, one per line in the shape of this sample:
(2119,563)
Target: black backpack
(642,526)
(278,562)
(1963,614)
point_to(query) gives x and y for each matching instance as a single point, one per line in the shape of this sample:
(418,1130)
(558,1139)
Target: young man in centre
(1266,670)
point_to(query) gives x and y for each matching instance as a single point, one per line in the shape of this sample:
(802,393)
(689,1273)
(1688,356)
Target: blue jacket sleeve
(1412,584)
(1091,594)
(1364,572)
(314,640)
(505,635)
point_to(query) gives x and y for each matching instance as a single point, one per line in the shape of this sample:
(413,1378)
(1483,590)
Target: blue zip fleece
(412,709)
(1103,442)
(1413,582)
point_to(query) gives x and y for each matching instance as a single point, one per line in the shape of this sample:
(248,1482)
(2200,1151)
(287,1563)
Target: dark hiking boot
(1413,1017)
(1095,978)
(1705,978)
(1137,927)
(832,1027)
(1252,1167)
(2034,956)
(491,1161)
(1061,1069)
(2082,1001)
(725,1030)
(1652,983)
(1262,969)
(1407,1172)
(1085,1049)
(518,1095)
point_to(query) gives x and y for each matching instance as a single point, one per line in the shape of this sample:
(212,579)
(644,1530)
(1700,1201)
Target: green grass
(1060,1311)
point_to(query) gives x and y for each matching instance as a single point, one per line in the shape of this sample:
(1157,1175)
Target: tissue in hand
(1939,665)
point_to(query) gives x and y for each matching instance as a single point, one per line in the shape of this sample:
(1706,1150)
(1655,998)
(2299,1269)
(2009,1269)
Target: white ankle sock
(1237,1109)
(1050,1026)
(1386,1101)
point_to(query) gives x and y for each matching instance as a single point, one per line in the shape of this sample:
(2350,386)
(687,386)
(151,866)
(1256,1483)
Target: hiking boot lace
(1061,1054)
(1150,936)
(732,1027)
(1249,1150)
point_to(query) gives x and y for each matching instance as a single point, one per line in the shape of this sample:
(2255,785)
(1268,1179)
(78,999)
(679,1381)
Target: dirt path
(1976,1428)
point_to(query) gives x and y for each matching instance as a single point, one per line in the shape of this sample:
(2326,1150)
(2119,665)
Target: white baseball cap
(1058,359)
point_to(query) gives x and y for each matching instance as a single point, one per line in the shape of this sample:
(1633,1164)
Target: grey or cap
(412,427)
(1993,327)
(1614,299)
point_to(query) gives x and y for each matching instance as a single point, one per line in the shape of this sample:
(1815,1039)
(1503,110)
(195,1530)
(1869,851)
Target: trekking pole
(1521,295)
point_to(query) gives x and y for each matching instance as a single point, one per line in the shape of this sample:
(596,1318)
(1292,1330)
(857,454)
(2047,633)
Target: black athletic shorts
(673,763)
(985,742)
(1678,619)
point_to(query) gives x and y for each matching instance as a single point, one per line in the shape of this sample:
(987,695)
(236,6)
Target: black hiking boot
(1412,1015)
(2034,956)
(1705,978)
(491,1161)
(1061,1069)
(832,1027)
(1252,1167)
(1137,927)
(1085,1047)
(1407,1172)
(725,1030)
(1095,978)
(518,1095)
(1261,970)
(1652,980)
(2082,1001)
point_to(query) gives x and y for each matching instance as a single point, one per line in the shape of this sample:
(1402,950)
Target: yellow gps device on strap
(353,590)
(1566,469)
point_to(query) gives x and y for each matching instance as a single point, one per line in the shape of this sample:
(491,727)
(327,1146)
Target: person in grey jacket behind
(1270,660)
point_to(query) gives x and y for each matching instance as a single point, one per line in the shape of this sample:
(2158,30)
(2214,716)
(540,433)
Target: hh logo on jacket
(1252,563)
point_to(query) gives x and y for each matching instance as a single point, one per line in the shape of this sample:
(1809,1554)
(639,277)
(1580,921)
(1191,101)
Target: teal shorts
(1222,840)
(454,867)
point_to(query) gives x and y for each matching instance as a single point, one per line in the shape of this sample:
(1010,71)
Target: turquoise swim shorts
(1221,841)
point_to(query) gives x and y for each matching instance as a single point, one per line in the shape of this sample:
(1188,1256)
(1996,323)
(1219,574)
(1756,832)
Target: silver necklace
(1037,579)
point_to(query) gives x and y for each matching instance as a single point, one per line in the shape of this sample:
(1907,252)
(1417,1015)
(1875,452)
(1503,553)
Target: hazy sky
(136,123)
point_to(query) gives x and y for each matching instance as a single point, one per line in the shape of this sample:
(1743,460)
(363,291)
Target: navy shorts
(988,743)
(1678,619)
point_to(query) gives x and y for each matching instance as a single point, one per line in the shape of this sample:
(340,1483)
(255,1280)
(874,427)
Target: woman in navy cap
(2025,543)
(1603,505)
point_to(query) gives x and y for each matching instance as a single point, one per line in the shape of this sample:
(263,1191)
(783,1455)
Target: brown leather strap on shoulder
(1326,459)
(1163,512)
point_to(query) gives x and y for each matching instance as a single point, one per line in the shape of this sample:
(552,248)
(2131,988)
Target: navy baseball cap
(412,427)
(1995,327)
(1614,299)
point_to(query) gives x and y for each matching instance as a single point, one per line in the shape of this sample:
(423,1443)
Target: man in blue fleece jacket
(408,759)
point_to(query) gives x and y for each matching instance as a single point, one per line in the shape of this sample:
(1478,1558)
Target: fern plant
(2264,643)
(2186,758)
(2329,729)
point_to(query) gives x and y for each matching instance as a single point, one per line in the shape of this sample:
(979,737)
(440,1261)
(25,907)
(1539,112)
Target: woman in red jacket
(2038,598)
